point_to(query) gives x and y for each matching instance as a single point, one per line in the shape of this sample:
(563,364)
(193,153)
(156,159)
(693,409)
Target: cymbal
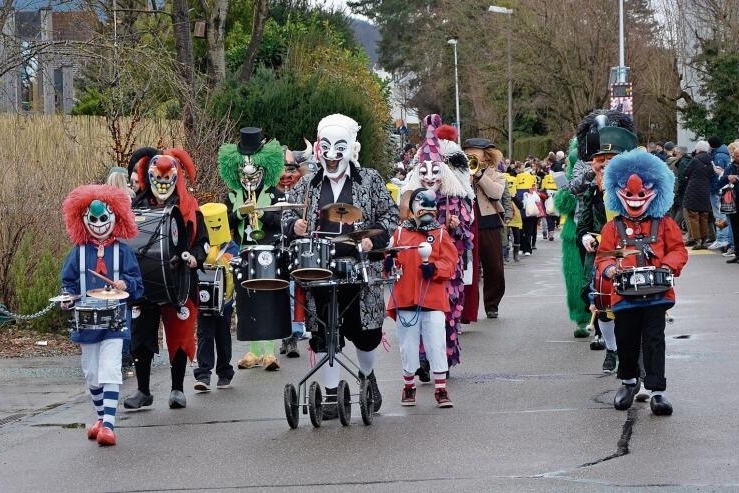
(357,236)
(394,249)
(342,213)
(618,253)
(107,294)
(64,298)
(281,206)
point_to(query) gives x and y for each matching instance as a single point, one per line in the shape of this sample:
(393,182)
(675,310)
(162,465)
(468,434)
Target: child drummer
(214,328)
(419,299)
(96,218)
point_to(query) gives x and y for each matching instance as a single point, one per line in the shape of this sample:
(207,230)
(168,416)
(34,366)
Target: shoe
(544,235)
(642,395)
(250,360)
(270,363)
(376,396)
(408,396)
(718,244)
(283,348)
(660,406)
(526,254)
(690,243)
(137,400)
(625,396)
(551,238)
(177,400)
(442,398)
(201,386)
(597,343)
(292,347)
(223,383)
(492,314)
(106,437)
(329,409)
(729,252)
(92,431)
(732,260)
(610,363)
(424,371)
(581,332)
(700,245)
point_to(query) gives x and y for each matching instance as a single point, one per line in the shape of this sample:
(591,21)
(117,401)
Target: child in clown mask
(214,328)
(419,298)
(96,218)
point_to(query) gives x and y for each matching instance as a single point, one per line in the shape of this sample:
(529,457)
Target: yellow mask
(216,222)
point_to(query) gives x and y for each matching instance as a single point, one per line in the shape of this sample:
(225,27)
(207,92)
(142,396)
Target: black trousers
(639,328)
(214,345)
(493,268)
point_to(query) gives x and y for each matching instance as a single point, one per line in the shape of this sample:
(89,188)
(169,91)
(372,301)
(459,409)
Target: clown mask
(429,173)
(423,206)
(289,177)
(334,149)
(99,220)
(635,196)
(163,174)
(251,175)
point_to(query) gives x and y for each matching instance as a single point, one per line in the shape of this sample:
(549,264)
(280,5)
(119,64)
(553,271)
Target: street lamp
(502,10)
(453,42)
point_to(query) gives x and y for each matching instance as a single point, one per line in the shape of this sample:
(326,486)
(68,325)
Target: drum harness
(417,314)
(640,241)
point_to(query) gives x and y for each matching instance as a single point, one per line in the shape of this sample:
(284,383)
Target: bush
(539,146)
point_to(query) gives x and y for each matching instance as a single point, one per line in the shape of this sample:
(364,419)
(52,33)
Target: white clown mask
(429,174)
(99,220)
(337,144)
(163,174)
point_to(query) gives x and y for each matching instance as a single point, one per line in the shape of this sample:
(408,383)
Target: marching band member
(214,328)
(419,299)
(341,179)
(639,187)
(96,218)
(163,179)
(250,169)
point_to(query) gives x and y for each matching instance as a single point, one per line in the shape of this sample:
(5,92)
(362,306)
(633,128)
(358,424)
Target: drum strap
(640,241)
(83,267)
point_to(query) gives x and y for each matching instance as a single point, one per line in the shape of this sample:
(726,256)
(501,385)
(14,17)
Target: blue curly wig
(654,174)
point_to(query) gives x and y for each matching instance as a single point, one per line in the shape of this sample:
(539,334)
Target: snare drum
(103,315)
(642,281)
(311,259)
(265,268)
(344,269)
(603,287)
(212,289)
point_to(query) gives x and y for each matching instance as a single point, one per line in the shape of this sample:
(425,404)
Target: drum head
(311,274)
(265,284)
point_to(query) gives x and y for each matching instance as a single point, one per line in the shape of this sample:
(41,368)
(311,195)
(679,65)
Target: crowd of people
(450,218)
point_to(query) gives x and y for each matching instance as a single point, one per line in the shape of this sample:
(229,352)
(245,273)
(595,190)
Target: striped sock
(97,400)
(409,379)
(439,381)
(110,400)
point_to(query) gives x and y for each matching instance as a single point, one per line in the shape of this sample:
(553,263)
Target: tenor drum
(99,315)
(161,240)
(264,268)
(642,281)
(311,259)
(602,292)
(212,289)
(345,270)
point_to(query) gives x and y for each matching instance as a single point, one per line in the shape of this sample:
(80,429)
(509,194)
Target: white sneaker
(729,253)
(527,254)
(718,245)
(642,395)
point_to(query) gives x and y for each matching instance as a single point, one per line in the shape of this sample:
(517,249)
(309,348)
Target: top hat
(615,140)
(250,141)
(478,143)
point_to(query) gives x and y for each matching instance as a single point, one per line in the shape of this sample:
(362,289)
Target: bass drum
(262,315)
(161,240)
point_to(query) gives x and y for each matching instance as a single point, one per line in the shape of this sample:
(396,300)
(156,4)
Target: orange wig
(79,200)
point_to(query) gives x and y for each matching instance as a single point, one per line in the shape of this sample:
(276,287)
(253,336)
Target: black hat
(251,140)
(615,140)
(478,143)
(714,142)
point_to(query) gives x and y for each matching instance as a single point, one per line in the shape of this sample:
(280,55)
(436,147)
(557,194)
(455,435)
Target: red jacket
(669,249)
(411,289)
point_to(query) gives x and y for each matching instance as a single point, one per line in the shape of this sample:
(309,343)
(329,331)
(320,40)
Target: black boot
(376,396)
(424,371)
(660,406)
(329,408)
(625,396)
(516,250)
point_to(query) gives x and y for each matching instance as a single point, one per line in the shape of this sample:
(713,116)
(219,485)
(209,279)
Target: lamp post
(502,10)
(453,42)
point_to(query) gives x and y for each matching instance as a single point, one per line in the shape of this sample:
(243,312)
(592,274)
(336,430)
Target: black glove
(387,264)
(428,270)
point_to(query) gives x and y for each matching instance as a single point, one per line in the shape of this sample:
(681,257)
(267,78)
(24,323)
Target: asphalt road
(532,413)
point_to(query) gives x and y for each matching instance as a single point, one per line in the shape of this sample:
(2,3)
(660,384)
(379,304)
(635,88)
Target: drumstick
(100,276)
(591,325)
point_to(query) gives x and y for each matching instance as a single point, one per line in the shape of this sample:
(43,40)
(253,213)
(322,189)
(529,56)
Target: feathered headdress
(269,158)
(651,172)
(79,200)
(588,140)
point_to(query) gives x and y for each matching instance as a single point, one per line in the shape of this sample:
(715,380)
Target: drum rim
(327,272)
(278,284)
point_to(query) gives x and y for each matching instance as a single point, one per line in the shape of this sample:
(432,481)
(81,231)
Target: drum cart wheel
(344,402)
(315,405)
(366,401)
(292,411)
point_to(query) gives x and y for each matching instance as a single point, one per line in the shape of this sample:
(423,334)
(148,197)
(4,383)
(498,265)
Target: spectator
(721,159)
(697,201)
